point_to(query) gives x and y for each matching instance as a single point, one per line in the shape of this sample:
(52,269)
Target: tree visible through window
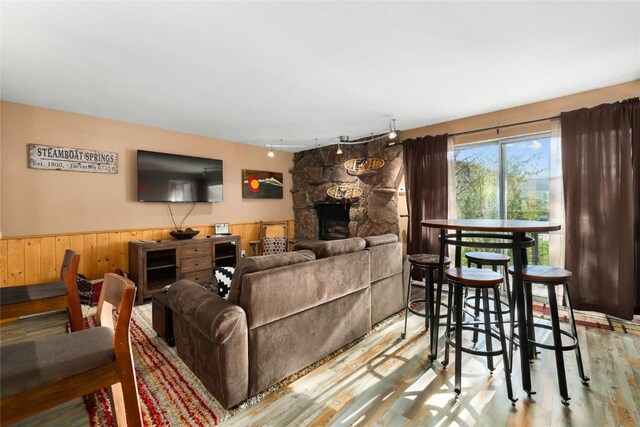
(506,179)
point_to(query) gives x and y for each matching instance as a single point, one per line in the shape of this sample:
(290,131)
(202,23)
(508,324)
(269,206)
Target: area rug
(590,319)
(170,395)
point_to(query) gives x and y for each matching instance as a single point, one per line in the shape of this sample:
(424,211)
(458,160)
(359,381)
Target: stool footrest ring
(448,336)
(569,347)
(506,308)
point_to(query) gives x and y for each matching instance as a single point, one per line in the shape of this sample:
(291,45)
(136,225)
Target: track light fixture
(392,129)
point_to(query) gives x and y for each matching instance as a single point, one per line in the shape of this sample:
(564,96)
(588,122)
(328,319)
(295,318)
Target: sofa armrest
(212,315)
(212,339)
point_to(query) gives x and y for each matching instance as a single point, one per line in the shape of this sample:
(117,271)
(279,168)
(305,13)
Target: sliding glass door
(506,178)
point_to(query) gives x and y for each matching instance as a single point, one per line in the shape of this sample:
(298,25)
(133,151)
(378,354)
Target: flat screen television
(164,177)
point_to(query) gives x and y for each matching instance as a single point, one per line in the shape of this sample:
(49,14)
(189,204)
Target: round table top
(510,225)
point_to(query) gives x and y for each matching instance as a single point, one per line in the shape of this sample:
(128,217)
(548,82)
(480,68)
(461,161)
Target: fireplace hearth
(333,220)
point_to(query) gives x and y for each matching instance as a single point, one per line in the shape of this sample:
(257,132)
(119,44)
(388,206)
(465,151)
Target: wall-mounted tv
(164,177)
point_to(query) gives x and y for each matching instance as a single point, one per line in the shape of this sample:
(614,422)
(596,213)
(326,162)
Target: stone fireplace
(375,212)
(333,220)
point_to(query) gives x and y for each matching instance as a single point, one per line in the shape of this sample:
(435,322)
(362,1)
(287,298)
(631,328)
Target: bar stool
(479,279)
(552,277)
(495,260)
(428,263)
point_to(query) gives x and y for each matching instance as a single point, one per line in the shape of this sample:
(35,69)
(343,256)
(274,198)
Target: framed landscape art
(261,184)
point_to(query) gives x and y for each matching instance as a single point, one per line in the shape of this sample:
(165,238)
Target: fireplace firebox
(333,220)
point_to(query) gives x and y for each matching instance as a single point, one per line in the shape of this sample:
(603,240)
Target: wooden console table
(155,264)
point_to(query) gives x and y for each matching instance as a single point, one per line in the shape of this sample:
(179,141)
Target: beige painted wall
(538,110)
(36,202)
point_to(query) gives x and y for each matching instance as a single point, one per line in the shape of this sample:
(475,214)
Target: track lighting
(392,129)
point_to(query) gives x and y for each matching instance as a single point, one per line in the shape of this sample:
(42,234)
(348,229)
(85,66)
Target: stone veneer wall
(374,213)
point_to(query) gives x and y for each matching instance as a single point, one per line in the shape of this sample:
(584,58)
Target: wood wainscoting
(37,259)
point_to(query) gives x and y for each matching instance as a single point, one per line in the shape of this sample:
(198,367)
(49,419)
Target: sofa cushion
(261,263)
(386,260)
(306,244)
(380,240)
(339,247)
(271,295)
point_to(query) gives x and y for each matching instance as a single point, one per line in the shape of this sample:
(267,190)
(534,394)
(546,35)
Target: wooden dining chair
(16,301)
(274,238)
(46,372)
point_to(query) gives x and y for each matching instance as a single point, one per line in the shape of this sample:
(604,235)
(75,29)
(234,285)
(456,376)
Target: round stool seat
(487,258)
(473,276)
(543,273)
(428,260)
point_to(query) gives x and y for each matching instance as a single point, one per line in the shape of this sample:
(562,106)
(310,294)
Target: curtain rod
(503,126)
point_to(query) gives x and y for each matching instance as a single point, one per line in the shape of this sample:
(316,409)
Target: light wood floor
(385,380)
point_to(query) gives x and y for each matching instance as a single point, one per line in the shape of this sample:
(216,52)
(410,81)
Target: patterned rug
(170,395)
(590,319)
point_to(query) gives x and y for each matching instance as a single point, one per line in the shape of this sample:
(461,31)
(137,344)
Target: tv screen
(164,177)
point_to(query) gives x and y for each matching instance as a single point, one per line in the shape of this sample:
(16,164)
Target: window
(507,178)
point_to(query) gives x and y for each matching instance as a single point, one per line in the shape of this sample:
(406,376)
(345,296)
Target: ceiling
(258,72)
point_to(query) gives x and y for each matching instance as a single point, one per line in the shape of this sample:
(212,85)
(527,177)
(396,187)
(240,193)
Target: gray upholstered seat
(23,300)
(31,364)
(18,294)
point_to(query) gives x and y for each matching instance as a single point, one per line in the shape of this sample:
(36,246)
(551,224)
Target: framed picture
(261,184)
(222,228)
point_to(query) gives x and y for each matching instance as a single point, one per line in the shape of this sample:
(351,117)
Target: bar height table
(503,234)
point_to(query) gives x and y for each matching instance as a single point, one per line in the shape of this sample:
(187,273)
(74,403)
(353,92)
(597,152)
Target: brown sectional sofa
(285,312)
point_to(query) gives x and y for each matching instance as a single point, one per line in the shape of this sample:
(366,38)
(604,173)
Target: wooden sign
(344,192)
(363,164)
(72,159)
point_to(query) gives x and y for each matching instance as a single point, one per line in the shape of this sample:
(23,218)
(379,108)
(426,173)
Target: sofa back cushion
(380,240)
(386,256)
(261,263)
(270,295)
(338,247)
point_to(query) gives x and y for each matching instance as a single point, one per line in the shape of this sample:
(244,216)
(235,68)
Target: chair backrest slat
(117,293)
(67,264)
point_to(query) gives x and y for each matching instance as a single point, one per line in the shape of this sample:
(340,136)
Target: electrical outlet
(243,253)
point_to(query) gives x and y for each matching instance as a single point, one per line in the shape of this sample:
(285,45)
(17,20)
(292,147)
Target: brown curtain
(425,176)
(634,110)
(599,206)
